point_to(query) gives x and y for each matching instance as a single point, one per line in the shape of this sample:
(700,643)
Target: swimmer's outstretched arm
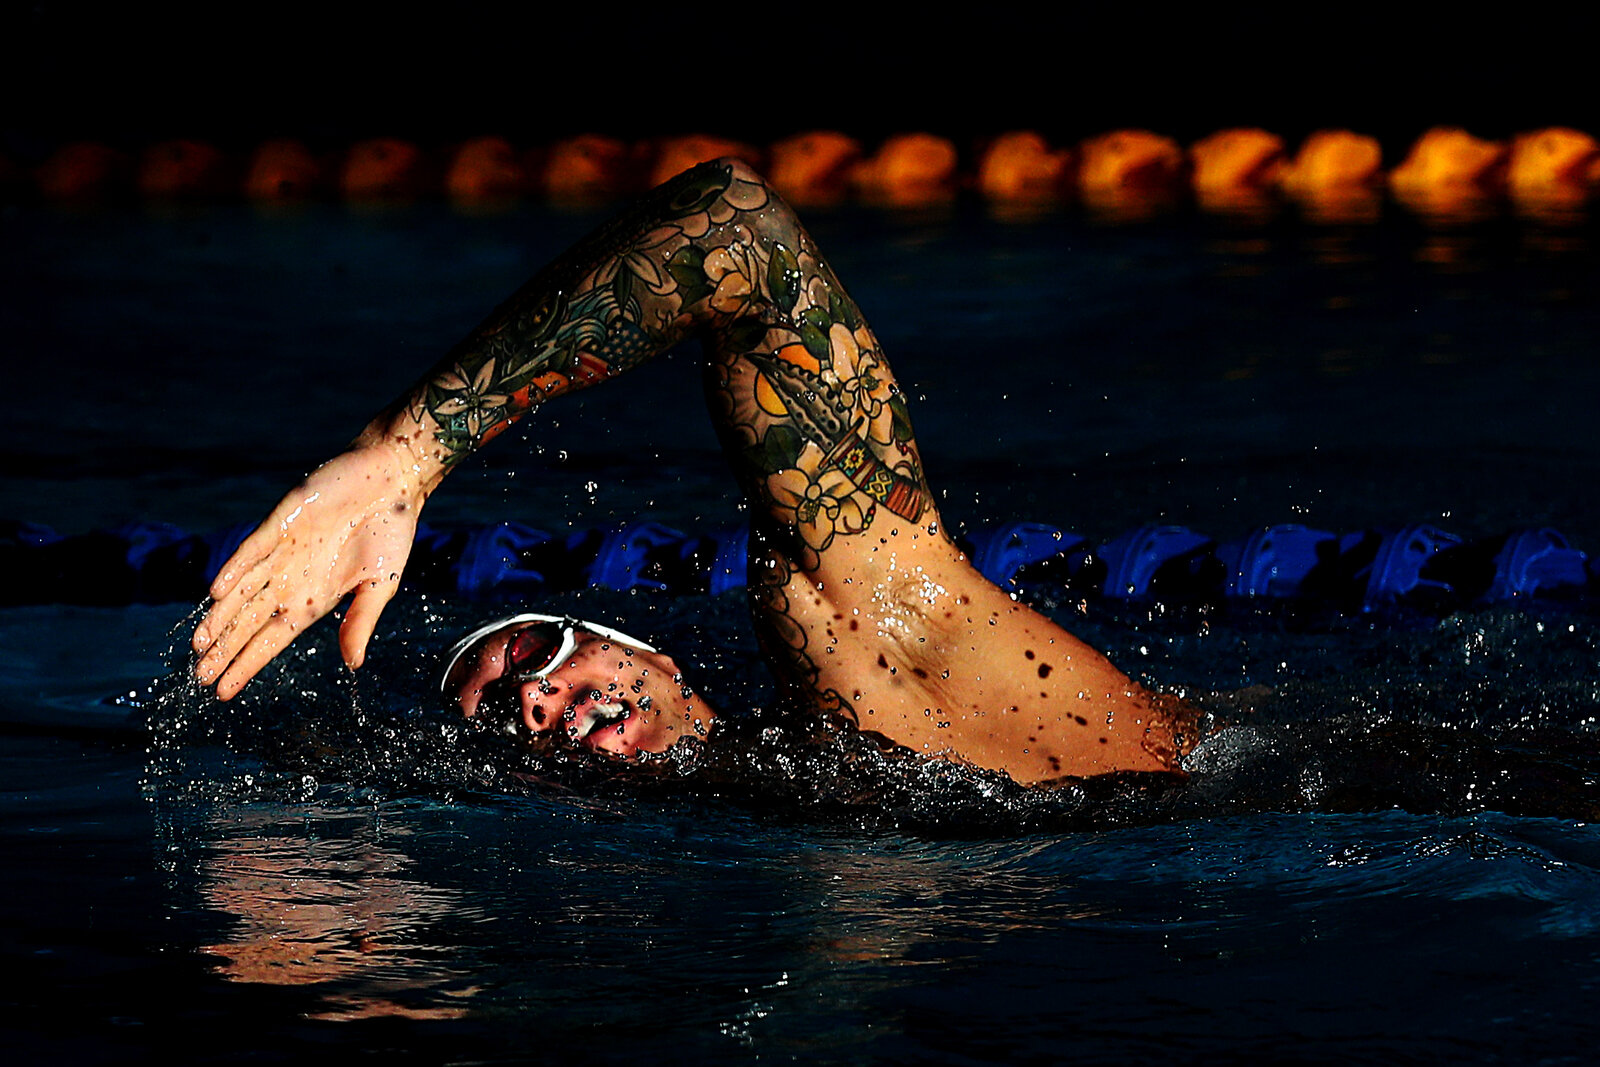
(863,605)
(819,435)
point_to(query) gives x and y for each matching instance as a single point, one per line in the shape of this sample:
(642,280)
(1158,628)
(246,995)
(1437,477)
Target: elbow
(721,190)
(749,193)
(741,186)
(740,170)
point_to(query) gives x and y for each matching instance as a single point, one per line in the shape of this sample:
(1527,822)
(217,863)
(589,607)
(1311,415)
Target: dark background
(326,72)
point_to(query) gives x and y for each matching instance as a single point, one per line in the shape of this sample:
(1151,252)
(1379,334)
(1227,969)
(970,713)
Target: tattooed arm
(705,252)
(606,305)
(863,606)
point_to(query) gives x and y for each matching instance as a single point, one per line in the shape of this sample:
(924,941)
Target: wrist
(407,450)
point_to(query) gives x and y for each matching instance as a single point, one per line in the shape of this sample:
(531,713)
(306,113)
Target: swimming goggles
(536,650)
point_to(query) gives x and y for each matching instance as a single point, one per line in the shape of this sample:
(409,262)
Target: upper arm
(810,414)
(816,428)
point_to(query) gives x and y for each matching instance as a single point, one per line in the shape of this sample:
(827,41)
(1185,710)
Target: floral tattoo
(808,412)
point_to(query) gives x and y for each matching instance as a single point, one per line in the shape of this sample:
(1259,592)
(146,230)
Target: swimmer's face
(607,696)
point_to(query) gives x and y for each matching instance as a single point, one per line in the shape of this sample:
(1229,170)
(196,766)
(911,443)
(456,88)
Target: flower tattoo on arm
(807,409)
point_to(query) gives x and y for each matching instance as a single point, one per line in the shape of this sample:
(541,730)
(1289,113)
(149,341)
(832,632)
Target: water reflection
(1340,204)
(1442,206)
(1243,203)
(322,899)
(1556,206)
(1127,204)
(1448,206)
(974,892)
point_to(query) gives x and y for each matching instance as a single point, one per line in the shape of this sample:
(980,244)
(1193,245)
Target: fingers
(236,626)
(225,610)
(265,543)
(252,627)
(268,641)
(346,529)
(370,600)
(251,617)
(251,551)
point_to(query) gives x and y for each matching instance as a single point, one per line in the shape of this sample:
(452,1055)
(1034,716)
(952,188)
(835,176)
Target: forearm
(681,260)
(666,268)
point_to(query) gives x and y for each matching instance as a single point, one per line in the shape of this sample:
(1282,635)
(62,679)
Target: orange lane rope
(1332,174)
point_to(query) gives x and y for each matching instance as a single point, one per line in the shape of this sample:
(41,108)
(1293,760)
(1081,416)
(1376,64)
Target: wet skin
(606,697)
(865,610)
(931,655)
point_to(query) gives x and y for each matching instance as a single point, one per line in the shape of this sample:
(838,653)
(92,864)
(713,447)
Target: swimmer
(864,607)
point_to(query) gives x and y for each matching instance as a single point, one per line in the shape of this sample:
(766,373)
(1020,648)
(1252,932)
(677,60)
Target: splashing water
(1489,711)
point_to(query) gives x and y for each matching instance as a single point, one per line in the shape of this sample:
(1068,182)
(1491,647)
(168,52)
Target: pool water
(1385,852)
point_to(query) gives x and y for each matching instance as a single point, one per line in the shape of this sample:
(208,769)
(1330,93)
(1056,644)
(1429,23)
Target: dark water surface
(1391,860)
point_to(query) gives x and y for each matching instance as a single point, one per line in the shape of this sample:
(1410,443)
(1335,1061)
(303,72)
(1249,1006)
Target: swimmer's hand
(347,528)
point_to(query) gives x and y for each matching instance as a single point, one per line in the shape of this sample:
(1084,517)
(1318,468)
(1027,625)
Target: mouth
(590,717)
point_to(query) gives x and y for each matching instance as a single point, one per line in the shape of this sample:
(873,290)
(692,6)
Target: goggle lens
(533,651)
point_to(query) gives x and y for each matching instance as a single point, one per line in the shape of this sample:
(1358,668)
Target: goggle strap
(460,648)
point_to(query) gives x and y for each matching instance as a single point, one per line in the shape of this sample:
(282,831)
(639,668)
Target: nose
(540,706)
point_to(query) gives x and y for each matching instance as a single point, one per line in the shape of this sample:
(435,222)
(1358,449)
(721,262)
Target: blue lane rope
(1416,566)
